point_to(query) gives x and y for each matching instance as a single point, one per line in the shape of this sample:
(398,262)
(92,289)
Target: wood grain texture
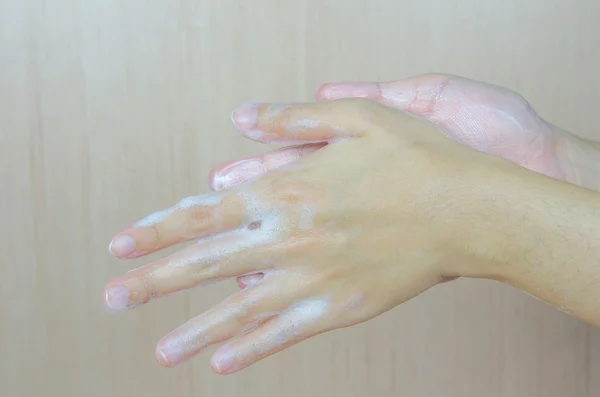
(112,109)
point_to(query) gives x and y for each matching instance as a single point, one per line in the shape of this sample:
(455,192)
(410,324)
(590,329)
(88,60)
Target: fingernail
(162,359)
(122,246)
(223,361)
(316,94)
(245,117)
(334,91)
(169,352)
(117,298)
(394,96)
(329,91)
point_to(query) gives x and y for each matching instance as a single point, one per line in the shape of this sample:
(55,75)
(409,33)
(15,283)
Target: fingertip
(122,246)
(213,180)
(245,116)
(161,358)
(245,119)
(330,91)
(222,361)
(168,353)
(214,367)
(116,298)
(320,92)
(234,173)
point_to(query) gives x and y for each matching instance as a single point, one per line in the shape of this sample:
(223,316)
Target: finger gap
(255,225)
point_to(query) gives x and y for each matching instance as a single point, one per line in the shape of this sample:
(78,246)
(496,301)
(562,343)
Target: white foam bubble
(297,322)
(210,199)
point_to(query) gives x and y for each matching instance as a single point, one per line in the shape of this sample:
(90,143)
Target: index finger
(304,122)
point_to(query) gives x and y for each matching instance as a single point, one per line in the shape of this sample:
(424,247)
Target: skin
(482,116)
(326,252)
(487,118)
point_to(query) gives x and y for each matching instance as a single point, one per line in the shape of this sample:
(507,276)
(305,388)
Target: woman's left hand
(384,211)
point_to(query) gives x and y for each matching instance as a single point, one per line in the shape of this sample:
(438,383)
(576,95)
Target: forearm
(580,159)
(552,238)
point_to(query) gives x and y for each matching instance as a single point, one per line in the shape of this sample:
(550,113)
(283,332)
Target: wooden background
(112,109)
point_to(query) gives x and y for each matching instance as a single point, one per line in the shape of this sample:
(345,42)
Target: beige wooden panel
(111,109)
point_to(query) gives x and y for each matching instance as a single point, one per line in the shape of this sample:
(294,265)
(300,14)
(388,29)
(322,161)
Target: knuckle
(283,118)
(188,202)
(359,105)
(436,77)
(149,288)
(157,238)
(245,314)
(194,213)
(362,110)
(434,96)
(290,193)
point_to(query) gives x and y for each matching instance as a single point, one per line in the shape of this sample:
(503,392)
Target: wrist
(517,222)
(482,239)
(546,227)
(553,251)
(579,159)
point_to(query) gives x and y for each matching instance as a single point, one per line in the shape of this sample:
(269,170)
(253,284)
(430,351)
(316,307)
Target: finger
(212,259)
(368,90)
(299,322)
(304,122)
(191,218)
(234,316)
(236,173)
(418,95)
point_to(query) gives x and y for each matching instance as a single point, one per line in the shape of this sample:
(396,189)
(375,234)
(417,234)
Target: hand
(482,116)
(381,214)
(479,115)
